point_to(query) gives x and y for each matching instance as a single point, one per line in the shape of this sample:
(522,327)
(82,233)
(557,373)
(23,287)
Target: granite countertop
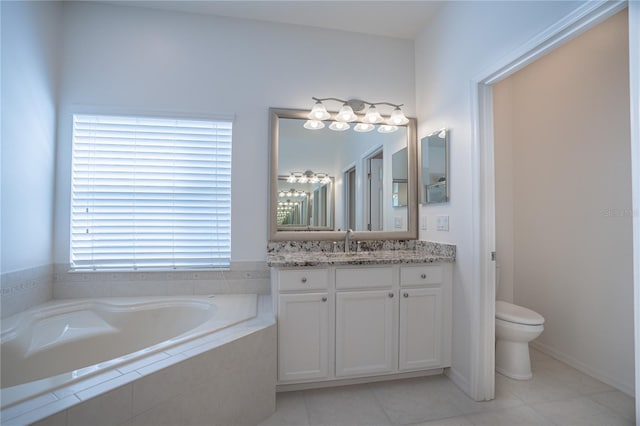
(379,257)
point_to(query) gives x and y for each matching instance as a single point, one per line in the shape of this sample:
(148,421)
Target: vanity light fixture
(347,114)
(308,176)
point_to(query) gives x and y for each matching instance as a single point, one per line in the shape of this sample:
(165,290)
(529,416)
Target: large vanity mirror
(434,168)
(324,182)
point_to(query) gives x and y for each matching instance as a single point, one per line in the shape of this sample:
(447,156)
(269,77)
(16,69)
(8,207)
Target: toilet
(516,326)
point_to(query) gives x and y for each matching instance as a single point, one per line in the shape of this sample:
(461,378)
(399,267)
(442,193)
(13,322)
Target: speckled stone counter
(291,254)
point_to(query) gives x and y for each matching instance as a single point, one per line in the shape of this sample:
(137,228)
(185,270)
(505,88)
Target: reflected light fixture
(308,177)
(347,114)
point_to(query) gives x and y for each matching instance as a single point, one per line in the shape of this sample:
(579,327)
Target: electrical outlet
(442,223)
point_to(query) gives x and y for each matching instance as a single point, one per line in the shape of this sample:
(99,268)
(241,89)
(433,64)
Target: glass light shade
(326,179)
(385,128)
(398,118)
(339,126)
(346,114)
(372,116)
(313,124)
(319,112)
(291,178)
(364,127)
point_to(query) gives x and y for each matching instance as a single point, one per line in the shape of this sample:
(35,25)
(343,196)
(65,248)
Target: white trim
(589,14)
(458,379)
(634,95)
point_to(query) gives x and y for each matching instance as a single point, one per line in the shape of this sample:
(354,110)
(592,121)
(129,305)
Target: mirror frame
(411,233)
(423,198)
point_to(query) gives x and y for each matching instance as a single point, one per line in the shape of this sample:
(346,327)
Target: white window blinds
(150,193)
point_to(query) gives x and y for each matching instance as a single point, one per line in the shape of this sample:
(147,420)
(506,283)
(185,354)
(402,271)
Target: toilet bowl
(516,326)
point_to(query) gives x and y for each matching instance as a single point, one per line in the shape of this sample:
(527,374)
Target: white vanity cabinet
(303,324)
(362,321)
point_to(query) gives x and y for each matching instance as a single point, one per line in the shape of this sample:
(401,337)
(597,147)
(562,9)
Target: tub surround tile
(244,277)
(321,253)
(137,365)
(112,408)
(45,415)
(29,405)
(87,383)
(21,290)
(108,386)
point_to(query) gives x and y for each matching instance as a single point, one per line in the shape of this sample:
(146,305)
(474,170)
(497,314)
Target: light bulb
(313,125)
(385,128)
(372,116)
(291,178)
(398,118)
(364,127)
(339,126)
(346,114)
(319,112)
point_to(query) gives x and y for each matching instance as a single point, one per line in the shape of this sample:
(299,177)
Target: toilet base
(512,359)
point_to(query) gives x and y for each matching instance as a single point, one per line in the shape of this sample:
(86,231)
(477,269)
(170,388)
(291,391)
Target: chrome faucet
(346,240)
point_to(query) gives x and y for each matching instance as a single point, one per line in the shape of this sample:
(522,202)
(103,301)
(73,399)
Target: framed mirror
(371,181)
(434,168)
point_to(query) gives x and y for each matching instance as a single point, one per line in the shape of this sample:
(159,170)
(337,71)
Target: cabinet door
(365,340)
(420,328)
(303,336)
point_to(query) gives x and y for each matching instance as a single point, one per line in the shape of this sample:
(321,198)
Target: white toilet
(516,326)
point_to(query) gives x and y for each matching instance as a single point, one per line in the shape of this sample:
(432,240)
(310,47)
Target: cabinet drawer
(418,275)
(363,278)
(303,279)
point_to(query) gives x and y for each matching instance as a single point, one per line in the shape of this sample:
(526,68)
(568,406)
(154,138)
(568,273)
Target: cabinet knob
(423,276)
(390,294)
(304,279)
(324,298)
(406,295)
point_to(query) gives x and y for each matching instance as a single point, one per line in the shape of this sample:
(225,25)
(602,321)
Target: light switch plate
(423,223)
(442,223)
(397,222)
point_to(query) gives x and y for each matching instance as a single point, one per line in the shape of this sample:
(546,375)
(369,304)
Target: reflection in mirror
(371,188)
(305,205)
(435,168)
(400,177)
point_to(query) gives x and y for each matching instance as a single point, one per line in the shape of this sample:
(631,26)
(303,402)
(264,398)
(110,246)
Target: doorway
(483,337)
(373,203)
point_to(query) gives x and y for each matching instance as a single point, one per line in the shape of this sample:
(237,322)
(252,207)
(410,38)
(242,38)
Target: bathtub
(65,348)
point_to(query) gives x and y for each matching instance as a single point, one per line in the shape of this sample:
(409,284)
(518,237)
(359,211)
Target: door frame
(586,16)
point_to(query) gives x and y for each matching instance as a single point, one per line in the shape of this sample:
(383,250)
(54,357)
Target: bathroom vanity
(361,315)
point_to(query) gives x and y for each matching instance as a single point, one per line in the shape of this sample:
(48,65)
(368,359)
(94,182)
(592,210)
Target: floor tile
(451,421)
(344,406)
(538,389)
(418,400)
(617,401)
(581,411)
(520,416)
(290,410)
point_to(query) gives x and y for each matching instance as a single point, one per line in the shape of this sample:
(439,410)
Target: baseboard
(288,387)
(572,362)
(458,379)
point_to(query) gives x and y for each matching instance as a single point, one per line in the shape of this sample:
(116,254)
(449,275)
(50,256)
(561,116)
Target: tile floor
(557,395)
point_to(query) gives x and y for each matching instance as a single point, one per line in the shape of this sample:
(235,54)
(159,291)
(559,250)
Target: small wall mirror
(343,180)
(434,149)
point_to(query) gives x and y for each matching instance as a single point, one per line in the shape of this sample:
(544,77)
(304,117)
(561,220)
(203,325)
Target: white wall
(127,59)
(462,40)
(571,196)
(29,78)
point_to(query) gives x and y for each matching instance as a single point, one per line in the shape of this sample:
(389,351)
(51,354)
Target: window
(150,193)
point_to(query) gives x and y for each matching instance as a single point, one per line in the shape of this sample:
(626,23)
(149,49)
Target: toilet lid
(513,313)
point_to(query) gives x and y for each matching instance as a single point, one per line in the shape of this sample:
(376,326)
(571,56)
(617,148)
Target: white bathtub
(47,349)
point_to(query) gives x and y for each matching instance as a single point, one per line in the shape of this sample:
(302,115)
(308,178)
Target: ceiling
(390,18)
